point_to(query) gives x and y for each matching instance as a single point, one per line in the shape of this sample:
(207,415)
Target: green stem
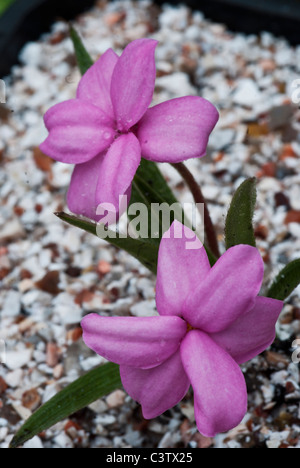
(211,237)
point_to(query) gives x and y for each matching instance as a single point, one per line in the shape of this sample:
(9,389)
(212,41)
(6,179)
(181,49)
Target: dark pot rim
(25,21)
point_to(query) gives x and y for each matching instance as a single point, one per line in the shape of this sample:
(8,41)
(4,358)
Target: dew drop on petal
(107,136)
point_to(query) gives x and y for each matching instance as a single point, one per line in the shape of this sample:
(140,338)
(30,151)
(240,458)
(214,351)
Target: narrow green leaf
(84,59)
(151,189)
(286,282)
(81,393)
(160,213)
(150,174)
(212,259)
(5,4)
(239,224)
(141,249)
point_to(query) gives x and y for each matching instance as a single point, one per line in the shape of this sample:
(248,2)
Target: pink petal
(133,82)
(219,385)
(180,270)
(94,86)
(158,389)
(133,341)
(229,291)
(118,170)
(177,130)
(98,186)
(78,132)
(81,196)
(252,333)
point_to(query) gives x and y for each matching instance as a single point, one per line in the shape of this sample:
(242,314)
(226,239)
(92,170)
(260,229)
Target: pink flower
(108,128)
(211,320)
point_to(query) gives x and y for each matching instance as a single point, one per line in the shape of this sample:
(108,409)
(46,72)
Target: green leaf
(212,259)
(150,174)
(141,249)
(239,224)
(286,282)
(81,393)
(151,189)
(84,59)
(5,4)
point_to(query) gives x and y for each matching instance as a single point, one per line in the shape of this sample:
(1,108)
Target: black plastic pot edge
(26,20)
(289,9)
(282,18)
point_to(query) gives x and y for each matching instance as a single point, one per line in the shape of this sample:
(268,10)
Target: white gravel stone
(106,419)
(247,93)
(11,230)
(144,309)
(221,139)
(63,441)
(92,362)
(99,406)
(32,55)
(3,433)
(12,304)
(14,379)
(17,359)
(115,399)
(34,443)
(68,312)
(176,85)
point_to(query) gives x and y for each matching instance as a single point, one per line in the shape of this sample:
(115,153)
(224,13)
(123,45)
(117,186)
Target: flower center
(118,134)
(190,328)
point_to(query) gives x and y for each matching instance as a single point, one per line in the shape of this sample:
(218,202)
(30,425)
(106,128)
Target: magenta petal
(118,170)
(158,389)
(252,333)
(94,86)
(180,270)
(133,341)
(78,131)
(98,186)
(133,82)
(81,196)
(177,130)
(229,291)
(218,383)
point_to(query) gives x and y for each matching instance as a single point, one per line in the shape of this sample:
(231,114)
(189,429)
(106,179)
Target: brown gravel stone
(31,399)
(3,386)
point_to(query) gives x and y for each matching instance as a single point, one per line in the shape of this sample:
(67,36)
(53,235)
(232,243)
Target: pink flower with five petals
(211,320)
(108,128)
